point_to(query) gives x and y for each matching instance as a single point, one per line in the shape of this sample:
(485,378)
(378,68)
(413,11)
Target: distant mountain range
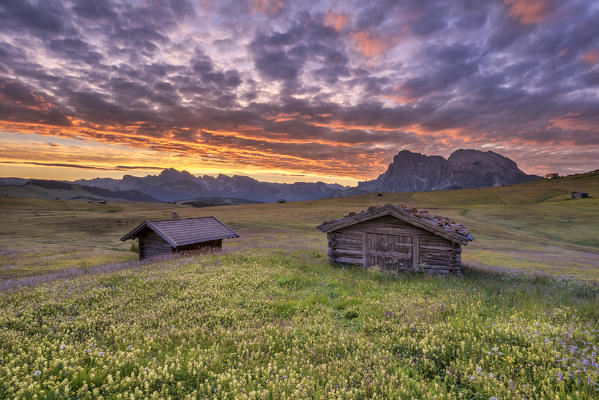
(173,185)
(415,172)
(408,172)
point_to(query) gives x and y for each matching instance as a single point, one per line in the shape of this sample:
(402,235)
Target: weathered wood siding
(391,243)
(151,244)
(212,245)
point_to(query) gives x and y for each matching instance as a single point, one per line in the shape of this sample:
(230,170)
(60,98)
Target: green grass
(289,325)
(272,319)
(532,227)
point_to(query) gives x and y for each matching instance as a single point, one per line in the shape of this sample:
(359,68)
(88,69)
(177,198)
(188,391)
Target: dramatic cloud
(327,90)
(529,11)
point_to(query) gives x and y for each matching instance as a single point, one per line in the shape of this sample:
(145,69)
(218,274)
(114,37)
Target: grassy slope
(258,323)
(76,192)
(288,325)
(37,192)
(532,226)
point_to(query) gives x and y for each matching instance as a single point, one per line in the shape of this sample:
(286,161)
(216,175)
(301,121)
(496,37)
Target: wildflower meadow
(278,325)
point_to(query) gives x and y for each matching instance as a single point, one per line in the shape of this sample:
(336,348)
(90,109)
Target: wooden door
(390,251)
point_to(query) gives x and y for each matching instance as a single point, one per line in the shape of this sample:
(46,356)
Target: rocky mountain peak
(407,172)
(175,175)
(469,156)
(465,168)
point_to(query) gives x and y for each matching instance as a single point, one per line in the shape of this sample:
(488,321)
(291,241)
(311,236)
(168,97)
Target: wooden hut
(579,195)
(176,235)
(552,175)
(397,237)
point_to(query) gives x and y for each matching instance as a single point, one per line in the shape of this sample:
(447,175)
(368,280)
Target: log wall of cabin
(212,245)
(433,253)
(151,244)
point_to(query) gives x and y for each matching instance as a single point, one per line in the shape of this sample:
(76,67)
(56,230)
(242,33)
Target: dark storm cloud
(441,68)
(20,103)
(202,65)
(75,50)
(283,55)
(16,92)
(41,18)
(433,20)
(300,79)
(94,10)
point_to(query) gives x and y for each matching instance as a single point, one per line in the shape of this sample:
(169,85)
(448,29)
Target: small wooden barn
(552,175)
(176,235)
(579,195)
(397,237)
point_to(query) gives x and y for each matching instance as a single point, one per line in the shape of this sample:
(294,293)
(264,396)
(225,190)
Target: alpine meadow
(269,317)
(299,199)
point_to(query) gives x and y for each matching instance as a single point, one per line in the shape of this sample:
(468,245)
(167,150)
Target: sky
(286,91)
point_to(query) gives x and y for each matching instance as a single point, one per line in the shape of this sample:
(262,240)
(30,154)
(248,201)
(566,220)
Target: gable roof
(436,224)
(183,232)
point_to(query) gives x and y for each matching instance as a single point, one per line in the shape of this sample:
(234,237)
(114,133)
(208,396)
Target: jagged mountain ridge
(463,169)
(173,185)
(408,172)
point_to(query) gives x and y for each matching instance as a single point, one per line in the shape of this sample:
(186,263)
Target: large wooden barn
(396,237)
(176,235)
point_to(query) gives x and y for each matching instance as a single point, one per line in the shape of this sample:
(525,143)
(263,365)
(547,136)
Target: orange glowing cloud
(528,11)
(402,95)
(574,121)
(372,45)
(271,7)
(591,57)
(336,20)
(235,149)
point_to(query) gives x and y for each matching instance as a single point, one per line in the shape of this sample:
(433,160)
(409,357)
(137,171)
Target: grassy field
(271,319)
(532,227)
(258,325)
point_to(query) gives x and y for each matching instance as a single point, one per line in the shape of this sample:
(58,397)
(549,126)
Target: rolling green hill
(58,190)
(532,226)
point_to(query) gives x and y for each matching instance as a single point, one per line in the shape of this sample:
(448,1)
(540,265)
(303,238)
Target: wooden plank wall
(433,253)
(212,245)
(151,244)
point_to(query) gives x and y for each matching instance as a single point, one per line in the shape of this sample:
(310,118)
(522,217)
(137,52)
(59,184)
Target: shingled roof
(183,232)
(439,225)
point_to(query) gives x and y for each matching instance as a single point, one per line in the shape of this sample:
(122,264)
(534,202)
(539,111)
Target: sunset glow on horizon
(294,91)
